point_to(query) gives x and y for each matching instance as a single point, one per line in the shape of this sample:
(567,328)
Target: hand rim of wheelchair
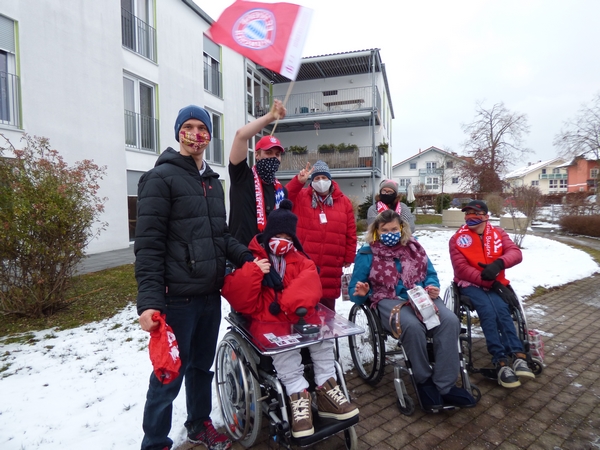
(231,403)
(370,371)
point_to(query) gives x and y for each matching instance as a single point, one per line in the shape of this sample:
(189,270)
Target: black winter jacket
(181,236)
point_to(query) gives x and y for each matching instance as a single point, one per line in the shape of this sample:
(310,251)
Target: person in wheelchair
(393,263)
(480,253)
(281,280)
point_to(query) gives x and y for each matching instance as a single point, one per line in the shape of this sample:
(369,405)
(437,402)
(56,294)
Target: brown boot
(332,402)
(302,424)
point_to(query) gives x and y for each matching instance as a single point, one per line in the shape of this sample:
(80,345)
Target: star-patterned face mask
(196,140)
(280,246)
(266,169)
(390,239)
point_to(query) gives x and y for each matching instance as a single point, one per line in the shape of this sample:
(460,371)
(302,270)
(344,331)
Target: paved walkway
(559,410)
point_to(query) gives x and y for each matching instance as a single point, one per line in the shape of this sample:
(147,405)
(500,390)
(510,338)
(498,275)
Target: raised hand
(305,173)
(278,110)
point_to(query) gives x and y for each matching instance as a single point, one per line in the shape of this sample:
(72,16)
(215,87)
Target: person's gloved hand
(505,293)
(492,270)
(273,280)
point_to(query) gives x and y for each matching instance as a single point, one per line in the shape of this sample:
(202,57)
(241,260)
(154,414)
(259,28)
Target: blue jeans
(195,322)
(496,322)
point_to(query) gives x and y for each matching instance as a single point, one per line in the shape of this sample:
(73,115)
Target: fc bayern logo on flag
(255,29)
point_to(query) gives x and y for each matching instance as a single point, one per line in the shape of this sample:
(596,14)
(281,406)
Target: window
(454,180)
(449,164)
(213,79)
(9,81)
(136,34)
(141,128)
(413,166)
(133,178)
(214,152)
(594,174)
(328,93)
(562,184)
(553,184)
(543,171)
(535,182)
(257,93)
(556,170)
(431,165)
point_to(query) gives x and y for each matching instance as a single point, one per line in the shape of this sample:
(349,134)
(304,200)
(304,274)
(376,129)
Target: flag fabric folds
(270,34)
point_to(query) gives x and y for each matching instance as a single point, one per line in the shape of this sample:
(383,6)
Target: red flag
(270,34)
(164,351)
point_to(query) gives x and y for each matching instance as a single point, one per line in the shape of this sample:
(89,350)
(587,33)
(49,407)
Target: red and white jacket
(467,249)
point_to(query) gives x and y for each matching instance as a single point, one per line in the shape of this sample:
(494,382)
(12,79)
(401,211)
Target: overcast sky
(539,57)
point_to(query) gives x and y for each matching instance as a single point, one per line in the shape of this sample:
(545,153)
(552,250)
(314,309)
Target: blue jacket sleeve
(362,267)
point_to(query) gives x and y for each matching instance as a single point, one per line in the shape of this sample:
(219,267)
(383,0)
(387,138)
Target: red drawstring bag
(164,352)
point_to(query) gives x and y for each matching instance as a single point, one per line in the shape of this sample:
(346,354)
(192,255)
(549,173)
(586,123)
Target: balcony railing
(137,35)
(355,159)
(326,102)
(553,176)
(213,80)
(435,171)
(214,152)
(141,132)
(10,89)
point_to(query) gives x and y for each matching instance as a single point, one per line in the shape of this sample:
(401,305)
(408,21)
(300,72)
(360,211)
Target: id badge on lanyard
(322,217)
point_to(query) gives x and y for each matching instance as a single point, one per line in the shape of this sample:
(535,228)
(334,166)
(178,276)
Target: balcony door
(140,124)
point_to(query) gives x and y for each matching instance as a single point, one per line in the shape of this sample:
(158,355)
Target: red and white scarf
(384,276)
(381,207)
(261,217)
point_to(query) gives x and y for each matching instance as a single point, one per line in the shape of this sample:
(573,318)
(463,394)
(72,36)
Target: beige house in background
(550,177)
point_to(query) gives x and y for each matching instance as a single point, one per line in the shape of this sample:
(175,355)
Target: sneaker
(332,403)
(210,438)
(506,376)
(429,395)
(459,397)
(302,424)
(520,367)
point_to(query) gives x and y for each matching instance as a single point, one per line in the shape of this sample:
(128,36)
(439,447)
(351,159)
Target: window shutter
(212,49)
(7,34)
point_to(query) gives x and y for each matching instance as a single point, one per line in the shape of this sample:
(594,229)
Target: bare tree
(522,206)
(581,135)
(495,141)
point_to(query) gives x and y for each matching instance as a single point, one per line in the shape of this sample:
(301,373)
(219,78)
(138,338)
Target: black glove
(505,293)
(273,280)
(492,270)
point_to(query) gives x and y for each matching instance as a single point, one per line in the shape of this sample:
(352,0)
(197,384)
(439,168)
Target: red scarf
(468,243)
(384,275)
(261,217)
(381,207)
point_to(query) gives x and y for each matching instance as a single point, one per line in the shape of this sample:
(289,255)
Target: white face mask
(321,186)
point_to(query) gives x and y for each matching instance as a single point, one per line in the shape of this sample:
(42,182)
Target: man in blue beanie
(181,246)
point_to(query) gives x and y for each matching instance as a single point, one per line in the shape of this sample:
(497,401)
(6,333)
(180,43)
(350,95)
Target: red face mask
(280,246)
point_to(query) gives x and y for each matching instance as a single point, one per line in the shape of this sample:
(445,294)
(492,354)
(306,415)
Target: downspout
(373,102)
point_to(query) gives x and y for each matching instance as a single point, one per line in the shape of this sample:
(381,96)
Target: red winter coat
(464,271)
(243,288)
(330,245)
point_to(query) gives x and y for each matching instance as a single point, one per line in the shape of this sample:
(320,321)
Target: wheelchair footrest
(324,428)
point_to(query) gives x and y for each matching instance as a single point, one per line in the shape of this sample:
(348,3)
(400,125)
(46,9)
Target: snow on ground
(86,387)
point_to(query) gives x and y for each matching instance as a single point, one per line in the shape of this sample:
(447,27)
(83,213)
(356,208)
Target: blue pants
(496,322)
(195,322)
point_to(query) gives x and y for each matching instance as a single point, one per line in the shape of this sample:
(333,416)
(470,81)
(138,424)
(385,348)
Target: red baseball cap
(267,142)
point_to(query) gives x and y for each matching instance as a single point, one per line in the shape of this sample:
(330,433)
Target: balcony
(354,163)
(137,35)
(141,132)
(213,80)
(10,89)
(339,108)
(214,152)
(423,172)
(553,176)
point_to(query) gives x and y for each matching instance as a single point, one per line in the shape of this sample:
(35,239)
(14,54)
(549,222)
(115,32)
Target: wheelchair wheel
(476,393)
(238,391)
(410,405)
(536,366)
(367,349)
(351,439)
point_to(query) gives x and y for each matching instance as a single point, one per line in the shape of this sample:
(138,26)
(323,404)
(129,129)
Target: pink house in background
(582,174)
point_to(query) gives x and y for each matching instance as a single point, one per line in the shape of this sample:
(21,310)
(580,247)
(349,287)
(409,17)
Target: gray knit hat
(390,184)
(320,168)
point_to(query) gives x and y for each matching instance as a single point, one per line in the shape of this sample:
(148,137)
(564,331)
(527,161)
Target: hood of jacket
(171,156)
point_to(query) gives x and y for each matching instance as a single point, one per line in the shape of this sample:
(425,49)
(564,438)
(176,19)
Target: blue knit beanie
(192,112)
(320,168)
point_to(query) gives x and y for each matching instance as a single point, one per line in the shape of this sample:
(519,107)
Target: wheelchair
(248,390)
(371,352)
(463,308)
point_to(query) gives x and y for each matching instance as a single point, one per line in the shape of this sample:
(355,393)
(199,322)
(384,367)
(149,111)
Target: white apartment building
(550,177)
(432,171)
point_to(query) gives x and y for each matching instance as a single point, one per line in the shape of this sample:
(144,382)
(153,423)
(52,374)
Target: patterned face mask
(196,140)
(472,220)
(280,246)
(266,169)
(390,239)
